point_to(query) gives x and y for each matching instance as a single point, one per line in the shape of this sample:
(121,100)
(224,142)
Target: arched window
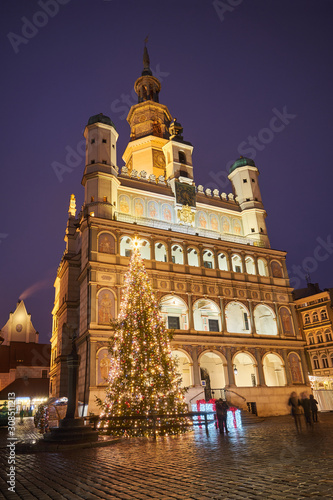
(222,262)
(177,254)
(324,361)
(319,338)
(265,320)
(206,315)
(175,312)
(161,254)
(315,316)
(237,318)
(208,258)
(306,319)
(213,373)
(273,370)
(236,261)
(192,257)
(182,157)
(328,336)
(323,314)
(315,362)
(184,367)
(249,265)
(262,267)
(311,340)
(244,370)
(126,246)
(144,249)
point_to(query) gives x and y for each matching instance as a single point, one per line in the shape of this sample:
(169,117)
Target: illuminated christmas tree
(143,379)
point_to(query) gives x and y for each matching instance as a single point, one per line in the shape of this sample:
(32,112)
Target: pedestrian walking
(21,416)
(306,405)
(221,415)
(314,408)
(296,410)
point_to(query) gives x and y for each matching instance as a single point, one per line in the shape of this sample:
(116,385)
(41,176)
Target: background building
(220,286)
(314,308)
(24,363)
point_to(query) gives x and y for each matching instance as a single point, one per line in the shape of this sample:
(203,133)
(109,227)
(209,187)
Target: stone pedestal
(71,430)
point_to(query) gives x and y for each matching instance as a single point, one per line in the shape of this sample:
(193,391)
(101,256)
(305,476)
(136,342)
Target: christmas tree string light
(143,379)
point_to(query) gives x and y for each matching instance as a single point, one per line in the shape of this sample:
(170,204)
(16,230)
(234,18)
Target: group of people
(303,407)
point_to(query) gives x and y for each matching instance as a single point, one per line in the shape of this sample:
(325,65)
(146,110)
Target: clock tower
(149,121)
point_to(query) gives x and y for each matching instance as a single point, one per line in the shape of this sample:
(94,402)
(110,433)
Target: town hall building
(221,288)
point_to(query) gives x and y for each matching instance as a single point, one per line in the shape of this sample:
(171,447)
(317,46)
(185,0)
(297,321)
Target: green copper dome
(242,162)
(100,118)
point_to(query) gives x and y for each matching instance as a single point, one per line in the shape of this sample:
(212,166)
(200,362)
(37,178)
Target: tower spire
(146,60)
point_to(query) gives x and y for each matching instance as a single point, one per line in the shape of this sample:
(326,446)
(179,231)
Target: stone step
(249,418)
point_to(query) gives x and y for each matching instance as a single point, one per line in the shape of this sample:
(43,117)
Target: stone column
(190,312)
(255,258)
(252,324)
(228,254)
(72,364)
(196,367)
(278,322)
(231,374)
(243,262)
(286,365)
(260,368)
(224,323)
(304,368)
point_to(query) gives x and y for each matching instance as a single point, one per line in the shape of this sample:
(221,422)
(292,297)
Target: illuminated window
(323,314)
(92,198)
(306,319)
(315,316)
(105,198)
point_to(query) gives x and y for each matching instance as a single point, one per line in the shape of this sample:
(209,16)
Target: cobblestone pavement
(267,460)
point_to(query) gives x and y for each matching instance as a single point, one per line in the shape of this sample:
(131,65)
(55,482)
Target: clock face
(19,328)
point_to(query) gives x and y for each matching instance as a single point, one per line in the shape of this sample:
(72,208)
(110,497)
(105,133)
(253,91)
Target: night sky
(226,72)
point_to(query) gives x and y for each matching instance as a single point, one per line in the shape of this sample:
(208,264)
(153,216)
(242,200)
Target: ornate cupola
(149,121)
(147,86)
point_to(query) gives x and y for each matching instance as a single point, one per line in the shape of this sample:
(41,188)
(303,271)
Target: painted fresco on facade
(152,209)
(105,307)
(103,366)
(225,225)
(287,324)
(106,243)
(124,204)
(295,368)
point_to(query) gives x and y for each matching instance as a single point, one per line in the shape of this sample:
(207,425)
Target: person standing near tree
(221,415)
(314,408)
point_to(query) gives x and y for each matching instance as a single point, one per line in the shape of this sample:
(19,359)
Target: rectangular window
(128,253)
(173,259)
(104,162)
(92,161)
(238,269)
(105,198)
(213,325)
(207,264)
(253,380)
(104,141)
(173,322)
(245,181)
(92,141)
